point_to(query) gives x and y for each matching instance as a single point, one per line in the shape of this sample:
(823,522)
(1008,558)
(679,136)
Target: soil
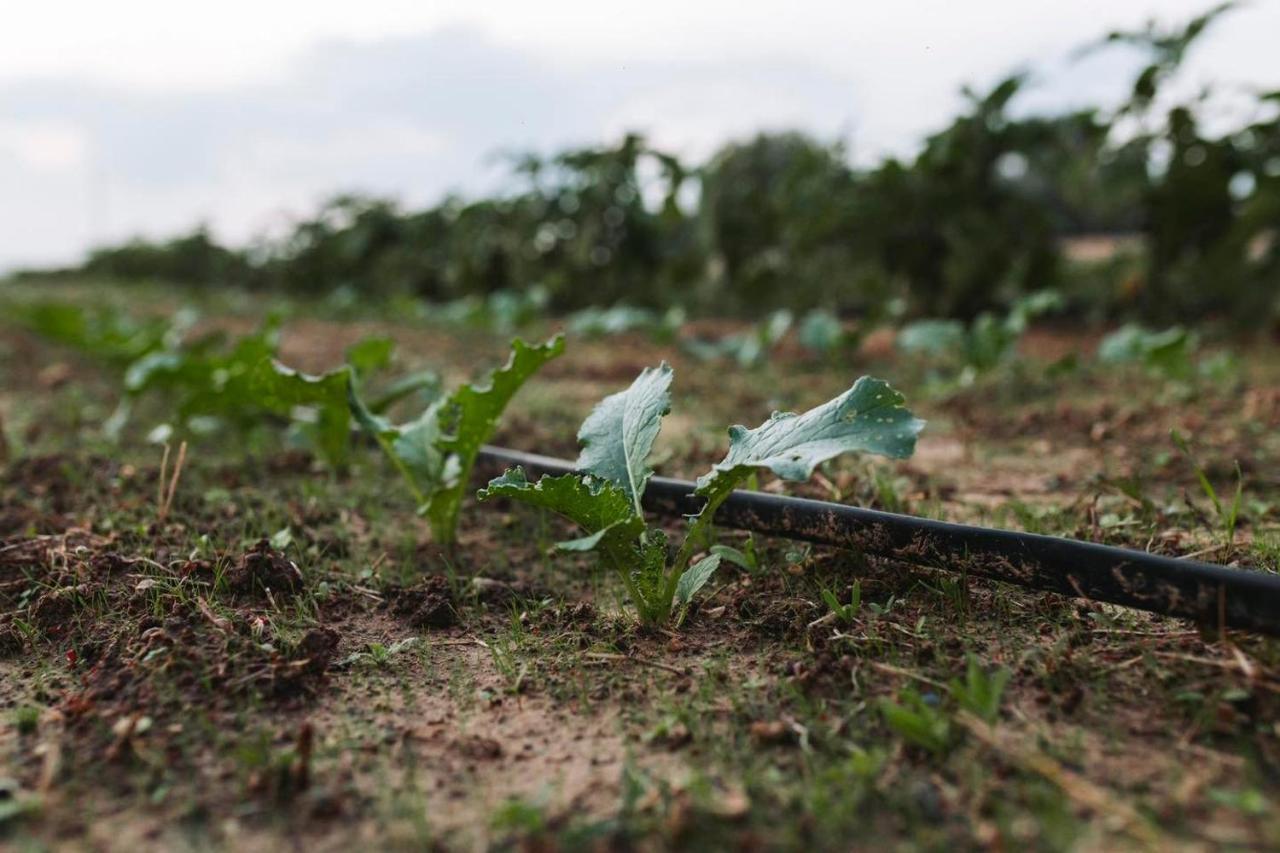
(202,680)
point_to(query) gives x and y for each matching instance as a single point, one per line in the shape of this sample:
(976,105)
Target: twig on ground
(609,658)
(166,494)
(906,673)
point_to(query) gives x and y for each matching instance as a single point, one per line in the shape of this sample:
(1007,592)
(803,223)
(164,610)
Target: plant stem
(694,536)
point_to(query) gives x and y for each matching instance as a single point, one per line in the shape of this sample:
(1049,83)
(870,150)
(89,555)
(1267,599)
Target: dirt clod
(55,607)
(427,604)
(264,568)
(317,648)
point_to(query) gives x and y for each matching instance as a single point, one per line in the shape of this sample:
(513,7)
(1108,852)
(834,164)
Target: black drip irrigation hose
(1210,594)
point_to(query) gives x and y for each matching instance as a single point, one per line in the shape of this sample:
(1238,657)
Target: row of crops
(215,383)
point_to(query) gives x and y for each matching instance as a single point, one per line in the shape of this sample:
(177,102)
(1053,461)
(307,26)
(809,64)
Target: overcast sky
(146,117)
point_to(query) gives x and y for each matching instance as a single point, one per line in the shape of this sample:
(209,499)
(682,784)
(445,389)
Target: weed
(979,692)
(26,719)
(917,720)
(846,613)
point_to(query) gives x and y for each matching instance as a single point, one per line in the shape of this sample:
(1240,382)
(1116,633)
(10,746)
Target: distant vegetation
(972,223)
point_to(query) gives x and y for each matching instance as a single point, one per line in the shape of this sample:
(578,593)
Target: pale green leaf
(596,505)
(282,390)
(436,451)
(416,444)
(588,543)
(695,578)
(932,337)
(370,354)
(733,555)
(618,435)
(869,417)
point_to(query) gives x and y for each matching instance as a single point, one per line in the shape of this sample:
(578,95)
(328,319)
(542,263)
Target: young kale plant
(617,437)
(986,343)
(212,384)
(436,451)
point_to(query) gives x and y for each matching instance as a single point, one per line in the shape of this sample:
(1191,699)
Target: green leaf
(1167,352)
(283,390)
(980,692)
(419,469)
(821,331)
(918,723)
(103,332)
(596,505)
(618,435)
(695,578)
(869,417)
(425,381)
(587,543)
(932,337)
(413,447)
(733,555)
(370,354)
(416,444)
(472,414)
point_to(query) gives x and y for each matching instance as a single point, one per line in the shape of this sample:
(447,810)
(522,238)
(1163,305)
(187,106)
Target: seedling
(917,721)
(748,348)
(605,322)
(241,385)
(821,333)
(980,692)
(435,452)
(846,613)
(984,344)
(617,438)
(1166,353)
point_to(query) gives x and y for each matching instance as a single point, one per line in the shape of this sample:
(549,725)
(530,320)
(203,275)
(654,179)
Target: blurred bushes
(193,259)
(783,221)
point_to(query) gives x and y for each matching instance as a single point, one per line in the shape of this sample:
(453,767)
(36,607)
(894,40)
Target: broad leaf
(370,354)
(1168,352)
(411,447)
(869,417)
(104,333)
(933,337)
(416,444)
(695,578)
(619,433)
(597,506)
(283,390)
(821,331)
(425,382)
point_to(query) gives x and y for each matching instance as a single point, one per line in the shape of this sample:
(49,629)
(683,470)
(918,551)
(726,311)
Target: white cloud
(139,116)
